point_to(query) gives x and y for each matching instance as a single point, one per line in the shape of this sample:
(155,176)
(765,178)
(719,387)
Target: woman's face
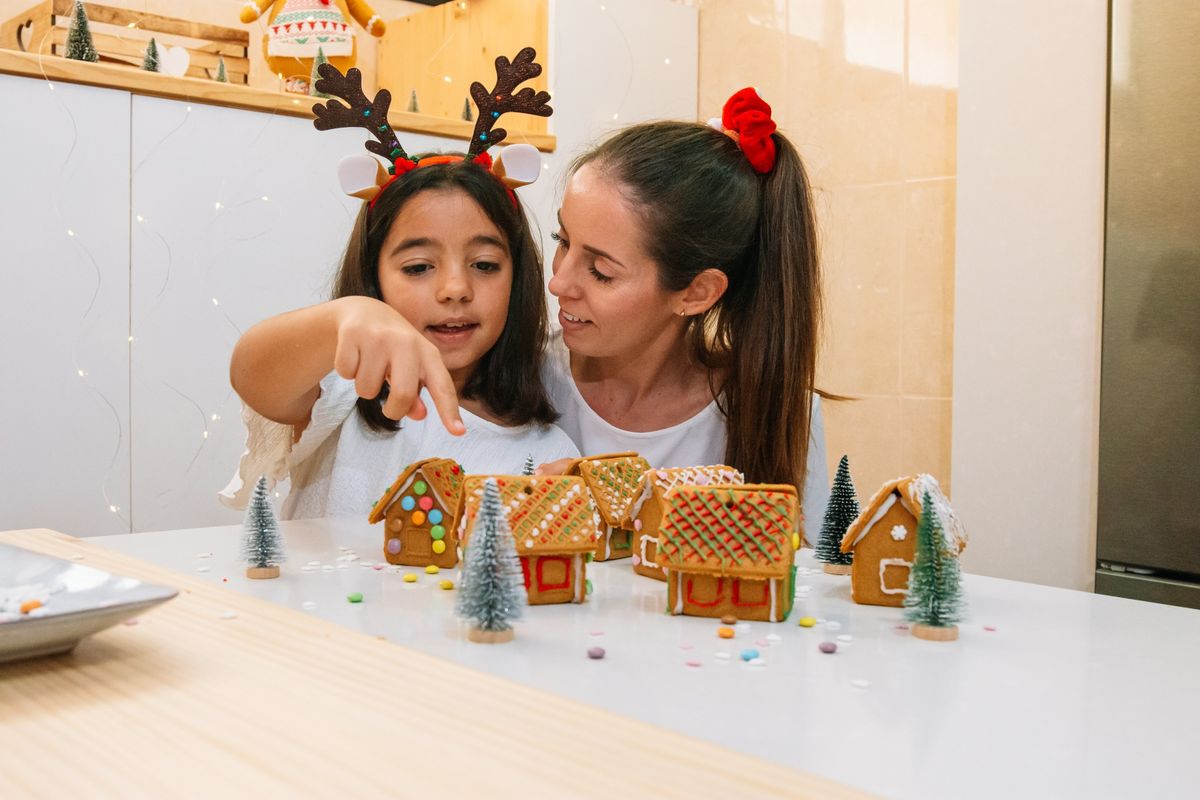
(607,286)
(446,268)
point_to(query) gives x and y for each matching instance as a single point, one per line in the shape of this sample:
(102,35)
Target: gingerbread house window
(705,591)
(750,594)
(553,572)
(893,575)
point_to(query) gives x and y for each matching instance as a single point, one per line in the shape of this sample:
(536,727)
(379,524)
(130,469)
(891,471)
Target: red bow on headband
(749,116)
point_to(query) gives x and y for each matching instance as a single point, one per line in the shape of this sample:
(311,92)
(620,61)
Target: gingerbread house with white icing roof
(420,507)
(613,480)
(883,538)
(554,525)
(645,512)
(730,550)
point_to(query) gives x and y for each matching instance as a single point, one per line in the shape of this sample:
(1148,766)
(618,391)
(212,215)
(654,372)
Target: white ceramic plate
(78,601)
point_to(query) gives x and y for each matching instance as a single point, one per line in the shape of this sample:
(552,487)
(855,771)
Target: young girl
(689,296)
(441,287)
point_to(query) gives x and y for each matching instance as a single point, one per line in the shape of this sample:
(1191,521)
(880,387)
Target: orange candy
(725,633)
(30,605)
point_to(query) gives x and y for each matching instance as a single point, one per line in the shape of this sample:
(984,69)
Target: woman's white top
(340,466)
(693,442)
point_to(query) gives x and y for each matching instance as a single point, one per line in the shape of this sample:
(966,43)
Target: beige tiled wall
(868,91)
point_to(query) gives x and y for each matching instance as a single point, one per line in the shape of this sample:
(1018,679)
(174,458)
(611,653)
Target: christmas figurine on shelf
(312,81)
(150,62)
(492,593)
(528,468)
(262,546)
(841,511)
(934,601)
(467,113)
(413,106)
(222,77)
(79,40)
(296,29)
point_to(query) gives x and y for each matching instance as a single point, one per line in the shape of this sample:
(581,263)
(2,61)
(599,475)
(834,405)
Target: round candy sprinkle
(432,569)
(420,488)
(845,637)
(756,662)
(596,633)
(435,517)
(774,637)
(729,619)
(203,569)
(901,627)
(595,652)
(377,567)
(425,503)
(408,504)
(437,531)
(693,663)
(588,586)
(418,518)
(795,541)
(723,656)
(749,653)
(447,585)
(990,628)
(807,622)
(725,633)
(860,683)
(833,625)
(410,578)
(828,647)
(354,597)
(439,546)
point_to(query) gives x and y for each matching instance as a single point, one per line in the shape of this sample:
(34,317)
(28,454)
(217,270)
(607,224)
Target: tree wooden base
(490,637)
(261,573)
(933,633)
(837,569)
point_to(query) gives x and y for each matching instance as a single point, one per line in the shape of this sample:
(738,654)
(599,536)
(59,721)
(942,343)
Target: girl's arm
(365,15)
(277,365)
(253,9)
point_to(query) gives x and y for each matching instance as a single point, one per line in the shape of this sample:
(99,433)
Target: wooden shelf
(198,90)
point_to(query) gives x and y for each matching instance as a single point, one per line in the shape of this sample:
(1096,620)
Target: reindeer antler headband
(364,177)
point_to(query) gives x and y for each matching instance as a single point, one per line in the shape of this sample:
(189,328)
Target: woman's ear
(702,293)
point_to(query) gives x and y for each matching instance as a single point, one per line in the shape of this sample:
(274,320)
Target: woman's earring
(683,312)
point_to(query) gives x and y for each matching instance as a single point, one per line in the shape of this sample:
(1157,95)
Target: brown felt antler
(501,100)
(362,113)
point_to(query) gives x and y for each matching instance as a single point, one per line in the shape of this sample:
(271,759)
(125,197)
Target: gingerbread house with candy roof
(420,507)
(645,512)
(613,480)
(730,550)
(554,525)
(883,538)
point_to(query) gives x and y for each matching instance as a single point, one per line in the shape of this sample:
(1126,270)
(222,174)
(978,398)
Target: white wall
(1031,156)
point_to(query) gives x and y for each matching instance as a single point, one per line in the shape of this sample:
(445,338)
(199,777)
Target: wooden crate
(120,36)
(441,51)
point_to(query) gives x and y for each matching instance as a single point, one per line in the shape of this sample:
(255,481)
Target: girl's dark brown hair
(704,206)
(508,377)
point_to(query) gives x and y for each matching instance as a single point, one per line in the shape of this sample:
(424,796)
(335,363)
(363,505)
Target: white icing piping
(884,563)
(678,592)
(580,581)
(772,582)
(645,558)
(884,507)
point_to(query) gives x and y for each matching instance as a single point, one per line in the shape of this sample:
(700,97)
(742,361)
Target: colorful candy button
(393,546)
(725,633)
(418,518)
(354,597)
(435,517)
(432,569)
(410,578)
(408,504)
(437,531)
(447,585)
(795,541)
(439,547)
(807,622)
(425,503)
(420,488)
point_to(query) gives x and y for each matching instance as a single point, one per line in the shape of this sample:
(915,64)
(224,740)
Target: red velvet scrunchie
(749,116)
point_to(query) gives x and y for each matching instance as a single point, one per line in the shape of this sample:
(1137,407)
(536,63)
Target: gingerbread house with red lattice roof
(420,507)
(883,538)
(554,526)
(730,550)
(613,480)
(645,512)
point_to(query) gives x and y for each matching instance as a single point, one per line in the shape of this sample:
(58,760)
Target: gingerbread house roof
(546,514)
(738,530)
(907,491)
(613,480)
(444,477)
(665,479)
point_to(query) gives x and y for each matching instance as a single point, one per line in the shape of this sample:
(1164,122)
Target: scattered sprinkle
(366,563)
(432,569)
(377,566)
(228,615)
(224,580)
(729,619)
(723,656)
(410,577)
(828,647)
(202,569)
(774,637)
(725,633)
(30,605)
(307,568)
(803,588)
(845,637)
(901,627)
(990,628)
(743,626)
(807,622)
(343,566)
(447,585)
(327,568)
(595,652)
(596,633)
(693,663)
(749,653)
(308,605)
(313,564)
(354,597)
(833,625)
(204,555)
(763,643)
(859,683)
(756,662)
(131,622)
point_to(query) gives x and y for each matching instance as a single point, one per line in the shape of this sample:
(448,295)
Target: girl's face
(607,285)
(446,267)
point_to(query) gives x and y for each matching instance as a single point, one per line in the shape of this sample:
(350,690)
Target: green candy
(354,597)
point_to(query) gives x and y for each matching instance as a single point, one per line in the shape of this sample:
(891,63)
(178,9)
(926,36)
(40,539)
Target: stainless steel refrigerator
(1148,542)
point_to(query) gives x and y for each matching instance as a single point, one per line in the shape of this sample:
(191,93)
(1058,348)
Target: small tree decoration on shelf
(150,62)
(493,591)
(316,76)
(79,40)
(262,546)
(467,113)
(528,468)
(934,601)
(222,77)
(842,510)
(413,106)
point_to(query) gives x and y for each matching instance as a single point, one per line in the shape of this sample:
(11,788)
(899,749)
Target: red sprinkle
(989,628)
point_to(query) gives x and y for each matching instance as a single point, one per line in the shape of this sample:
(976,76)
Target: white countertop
(1071,695)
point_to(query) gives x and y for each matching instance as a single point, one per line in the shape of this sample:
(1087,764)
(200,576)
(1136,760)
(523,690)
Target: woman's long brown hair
(705,207)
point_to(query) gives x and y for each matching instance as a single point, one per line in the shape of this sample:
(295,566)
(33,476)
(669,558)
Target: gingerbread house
(730,550)
(613,481)
(883,538)
(554,525)
(645,513)
(420,507)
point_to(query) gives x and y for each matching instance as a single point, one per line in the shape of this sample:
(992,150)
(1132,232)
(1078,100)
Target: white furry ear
(361,176)
(716,124)
(518,165)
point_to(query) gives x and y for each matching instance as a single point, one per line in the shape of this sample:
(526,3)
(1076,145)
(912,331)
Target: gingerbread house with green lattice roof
(554,526)
(730,550)
(645,513)
(613,480)
(420,507)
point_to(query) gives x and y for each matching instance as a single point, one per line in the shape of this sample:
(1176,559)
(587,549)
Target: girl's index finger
(445,398)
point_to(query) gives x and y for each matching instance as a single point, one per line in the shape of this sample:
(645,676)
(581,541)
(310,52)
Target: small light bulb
(70,232)
(217,205)
(446,78)
(215,303)
(206,434)
(265,198)
(614,116)
(113,509)
(666,61)
(140,218)
(131,338)
(603,7)
(189,108)
(216,417)
(81,372)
